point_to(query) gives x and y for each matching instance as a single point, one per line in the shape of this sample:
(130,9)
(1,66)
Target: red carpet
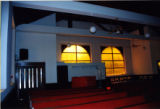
(58,97)
(86,99)
(75,101)
(44,93)
(111,104)
(154,105)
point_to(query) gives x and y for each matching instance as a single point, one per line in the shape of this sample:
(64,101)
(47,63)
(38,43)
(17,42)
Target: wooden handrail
(30,75)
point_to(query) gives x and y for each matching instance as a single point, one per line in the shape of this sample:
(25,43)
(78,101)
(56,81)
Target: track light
(147,35)
(92,29)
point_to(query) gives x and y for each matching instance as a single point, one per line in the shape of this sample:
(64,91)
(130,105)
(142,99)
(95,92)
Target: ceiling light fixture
(92,29)
(147,35)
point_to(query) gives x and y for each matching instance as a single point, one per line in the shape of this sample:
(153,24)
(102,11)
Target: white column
(5,15)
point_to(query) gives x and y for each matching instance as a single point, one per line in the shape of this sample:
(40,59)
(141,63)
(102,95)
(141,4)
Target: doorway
(62,76)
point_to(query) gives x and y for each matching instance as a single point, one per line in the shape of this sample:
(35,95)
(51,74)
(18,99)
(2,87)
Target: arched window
(114,61)
(159,64)
(158,67)
(75,54)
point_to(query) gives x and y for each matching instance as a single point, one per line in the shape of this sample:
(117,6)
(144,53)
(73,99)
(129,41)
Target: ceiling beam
(90,10)
(74,32)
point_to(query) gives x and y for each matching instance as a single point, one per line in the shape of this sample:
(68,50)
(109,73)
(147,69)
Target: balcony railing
(30,75)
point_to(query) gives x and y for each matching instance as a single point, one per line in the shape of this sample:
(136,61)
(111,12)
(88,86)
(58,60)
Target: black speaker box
(23,54)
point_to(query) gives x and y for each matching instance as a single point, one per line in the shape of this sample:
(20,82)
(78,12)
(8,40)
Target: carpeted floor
(88,99)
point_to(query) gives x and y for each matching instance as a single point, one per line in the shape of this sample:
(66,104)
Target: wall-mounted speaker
(23,54)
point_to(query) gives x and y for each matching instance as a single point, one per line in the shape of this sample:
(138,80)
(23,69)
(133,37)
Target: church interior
(80,55)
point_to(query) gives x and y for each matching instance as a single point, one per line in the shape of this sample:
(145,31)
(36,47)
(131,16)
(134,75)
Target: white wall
(35,42)
(85,69)
(47,20)
(95,45)
(141,57)
(83,25)
(62,23)
(42,48)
